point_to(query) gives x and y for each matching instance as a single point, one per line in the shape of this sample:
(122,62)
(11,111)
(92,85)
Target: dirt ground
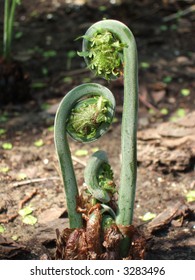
(45,33)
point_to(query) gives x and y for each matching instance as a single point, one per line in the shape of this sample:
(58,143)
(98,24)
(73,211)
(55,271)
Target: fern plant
(101,225)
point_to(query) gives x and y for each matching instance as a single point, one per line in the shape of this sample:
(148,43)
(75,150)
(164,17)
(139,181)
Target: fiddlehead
(99,177)
(99,104)
(87,116)
(109,48)
(103,53)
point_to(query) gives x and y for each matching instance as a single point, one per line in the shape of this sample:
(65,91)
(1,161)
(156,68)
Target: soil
(45,33)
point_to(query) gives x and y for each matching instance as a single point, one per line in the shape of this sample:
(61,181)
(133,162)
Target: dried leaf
(112,238)
(164,218)
(61,242)
(76,247)
(97,243)
(138,246)
(71,244)
(9,249)
(158,96)
(93,232)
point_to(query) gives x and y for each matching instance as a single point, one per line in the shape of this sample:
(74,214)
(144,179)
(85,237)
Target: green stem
(6,28)
(62,146)
(9,16)
(129,134)
(11,25)
(129,119)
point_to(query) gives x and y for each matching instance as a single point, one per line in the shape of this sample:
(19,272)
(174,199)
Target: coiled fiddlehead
(109,49)
(99,177)
(85,113)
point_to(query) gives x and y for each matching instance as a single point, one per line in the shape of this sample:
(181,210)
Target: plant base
(14,83)
(93,243)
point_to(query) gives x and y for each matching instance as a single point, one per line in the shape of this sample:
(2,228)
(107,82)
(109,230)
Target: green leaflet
(105,178)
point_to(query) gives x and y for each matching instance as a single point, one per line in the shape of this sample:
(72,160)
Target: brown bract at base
(94,243)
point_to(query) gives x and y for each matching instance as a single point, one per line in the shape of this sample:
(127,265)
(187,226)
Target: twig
(142,99)
(79,161)
(179,14)
(9,219)
(21,204)
(147,104)
(35,180)
(69,73)
(27,198)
